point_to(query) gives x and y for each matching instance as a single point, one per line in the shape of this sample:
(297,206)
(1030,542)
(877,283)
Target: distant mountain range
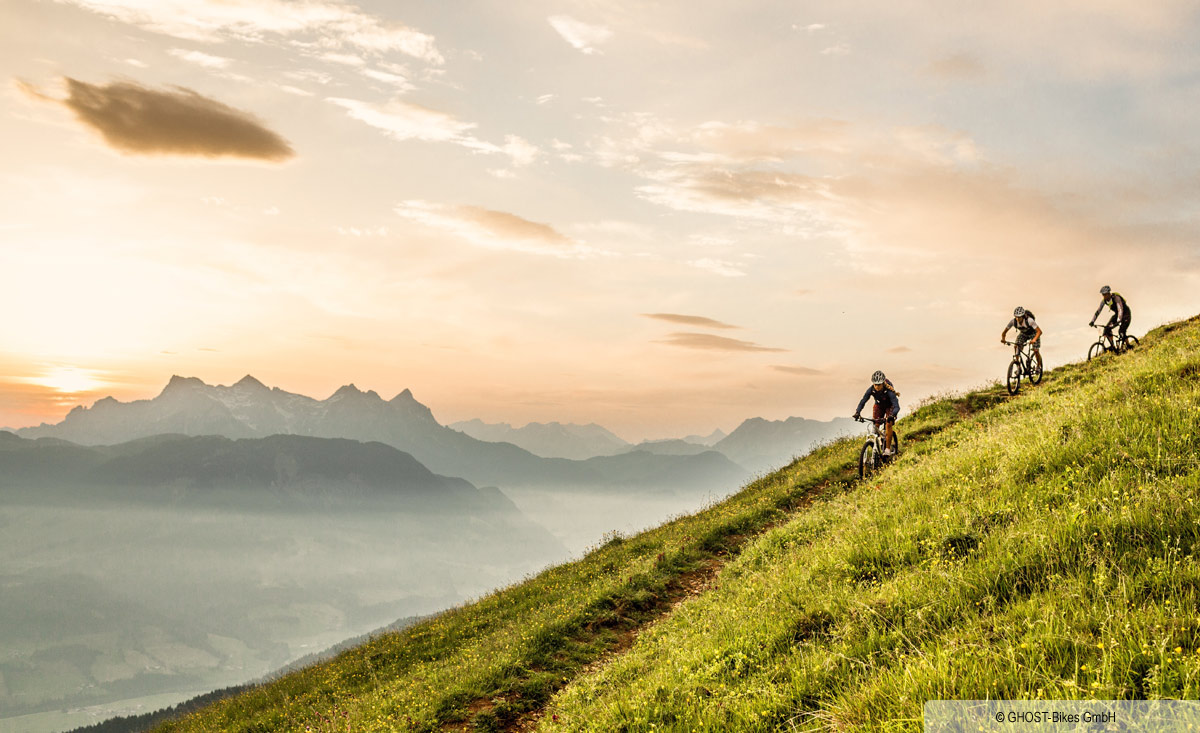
(278,472)
(549,440)
(536,455)
(761,445)
(249,409)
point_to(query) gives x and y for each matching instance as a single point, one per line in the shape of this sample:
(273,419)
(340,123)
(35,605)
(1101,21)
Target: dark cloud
(801,371)
(135,119)
(699,321)
(712,343)
(899,350)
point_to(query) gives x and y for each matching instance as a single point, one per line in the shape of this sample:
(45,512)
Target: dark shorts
(1022,338)
(879,412)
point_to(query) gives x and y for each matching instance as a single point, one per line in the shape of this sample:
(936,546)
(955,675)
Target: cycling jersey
(1119,307)
(885,397)
(1027,329)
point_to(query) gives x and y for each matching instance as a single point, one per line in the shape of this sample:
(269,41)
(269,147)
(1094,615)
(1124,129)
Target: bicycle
(1025,363)
(872,457)
(1106,342)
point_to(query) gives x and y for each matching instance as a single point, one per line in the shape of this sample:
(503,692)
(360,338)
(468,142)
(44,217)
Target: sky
(664,217)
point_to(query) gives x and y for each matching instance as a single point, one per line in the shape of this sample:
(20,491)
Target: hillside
(1036,547)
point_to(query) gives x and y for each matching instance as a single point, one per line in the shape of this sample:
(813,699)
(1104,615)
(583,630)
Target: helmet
(1018,312)
(878,378)
(1105,290)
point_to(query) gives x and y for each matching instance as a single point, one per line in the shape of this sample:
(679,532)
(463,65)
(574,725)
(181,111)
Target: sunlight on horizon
(69,380)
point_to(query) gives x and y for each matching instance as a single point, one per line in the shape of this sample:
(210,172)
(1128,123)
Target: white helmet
(1018,312)
(878,378)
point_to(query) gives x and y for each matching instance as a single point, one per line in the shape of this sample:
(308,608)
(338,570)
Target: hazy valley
(159,549)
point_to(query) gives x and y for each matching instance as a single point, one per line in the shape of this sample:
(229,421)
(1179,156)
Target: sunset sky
(664,217)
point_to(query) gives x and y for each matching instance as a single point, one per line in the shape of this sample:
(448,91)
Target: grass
(1041,549)
(1031,547)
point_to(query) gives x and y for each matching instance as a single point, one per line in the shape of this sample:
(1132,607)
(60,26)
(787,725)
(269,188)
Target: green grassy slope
(1036,546)
(1043,549)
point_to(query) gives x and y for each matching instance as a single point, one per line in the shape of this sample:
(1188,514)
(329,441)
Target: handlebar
(859,418)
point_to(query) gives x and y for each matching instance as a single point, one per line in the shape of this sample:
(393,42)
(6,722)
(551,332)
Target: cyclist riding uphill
(1027,330)
(1121,313)
(887,406)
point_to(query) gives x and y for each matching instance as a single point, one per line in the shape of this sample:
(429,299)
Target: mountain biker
(1121,313)
(1027,330)
(887,406)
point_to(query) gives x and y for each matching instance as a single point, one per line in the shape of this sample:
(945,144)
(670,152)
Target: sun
(68,380)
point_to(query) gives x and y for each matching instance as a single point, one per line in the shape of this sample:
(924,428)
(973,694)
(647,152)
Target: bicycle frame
(1025,363)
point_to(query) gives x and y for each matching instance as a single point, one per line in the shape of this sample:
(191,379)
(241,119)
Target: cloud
(583,36)
(493,229)
(314,24)
(402,120)
(800,371)
(956,67)
(200,58)
(717,267)
(839,50)
(899,350)
(405,121)
(700,321)
(396,80)
(709,342)
(137,120)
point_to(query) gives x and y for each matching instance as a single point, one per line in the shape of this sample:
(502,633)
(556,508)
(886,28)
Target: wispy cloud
(710,342)
(899,350)
(316,24)
(200,58)
(403,120)
(583,36)
(800,371)
(717,267)
(686,320)
(138,120)
(493,229)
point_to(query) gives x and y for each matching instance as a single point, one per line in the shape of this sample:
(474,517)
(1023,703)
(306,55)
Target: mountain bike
(872,457)
(1107,342)
(1025,363)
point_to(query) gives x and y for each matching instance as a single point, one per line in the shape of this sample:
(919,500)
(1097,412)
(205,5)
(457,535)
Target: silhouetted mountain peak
(348,390)
(180,384)
(405,401)
(250,383)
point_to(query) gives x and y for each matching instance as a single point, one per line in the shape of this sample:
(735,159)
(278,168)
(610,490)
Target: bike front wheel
(1014,376)
(1096,350)
(867,459)
(1035,368)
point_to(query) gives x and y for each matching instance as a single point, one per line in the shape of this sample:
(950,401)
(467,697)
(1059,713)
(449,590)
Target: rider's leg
(879,413)
(890,441)
(1124,328)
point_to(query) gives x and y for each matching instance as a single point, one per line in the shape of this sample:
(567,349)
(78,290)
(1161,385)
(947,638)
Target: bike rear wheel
(1014,376)
(1130,342)
(1035,368)
(867,459)
(1096,350)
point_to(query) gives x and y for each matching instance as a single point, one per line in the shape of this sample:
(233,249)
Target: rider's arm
(894,400)
(1097,313)
(863,401)
(1004,334)
(1120,308)
(1037,335)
